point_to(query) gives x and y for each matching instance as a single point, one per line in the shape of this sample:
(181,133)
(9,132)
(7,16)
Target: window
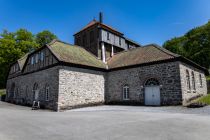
(42,56)
(91,36)
(35,92)
(119,41)
(36,58)
(32,60)
(125,92)
(14,68)
(26,92)
(108,36)
(193,81)
(84,40)
(201,82)
(188,80)
(47,93)
(77,41)
(16,94)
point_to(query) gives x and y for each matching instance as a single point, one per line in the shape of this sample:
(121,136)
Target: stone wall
(189,94)
(80,87)
(24,88)
(168,75)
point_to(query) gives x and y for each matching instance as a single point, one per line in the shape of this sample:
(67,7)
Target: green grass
(2,92)
(204,99)
(208,77)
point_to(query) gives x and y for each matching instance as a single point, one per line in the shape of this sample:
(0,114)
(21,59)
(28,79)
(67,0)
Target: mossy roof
(77,55)
(22,61)
(140,55)
(74,54)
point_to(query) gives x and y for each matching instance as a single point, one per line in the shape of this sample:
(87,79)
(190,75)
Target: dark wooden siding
(88,39)
(48,59)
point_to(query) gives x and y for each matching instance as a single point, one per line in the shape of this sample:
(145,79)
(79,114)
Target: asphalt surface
(104,123)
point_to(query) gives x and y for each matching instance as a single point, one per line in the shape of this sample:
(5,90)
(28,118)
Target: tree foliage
(194,45)
(13,45)
(44,37)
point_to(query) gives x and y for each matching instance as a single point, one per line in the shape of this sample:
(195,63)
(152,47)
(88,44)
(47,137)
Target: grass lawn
(2,92)
(204,99)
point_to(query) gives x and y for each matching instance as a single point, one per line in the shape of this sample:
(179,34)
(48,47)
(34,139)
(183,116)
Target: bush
(2,94)
(3,97)
(203,100)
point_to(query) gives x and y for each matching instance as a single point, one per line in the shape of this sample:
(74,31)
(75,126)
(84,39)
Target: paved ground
(105,123)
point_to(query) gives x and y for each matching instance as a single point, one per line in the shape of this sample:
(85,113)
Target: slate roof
(74,54)
(140,55)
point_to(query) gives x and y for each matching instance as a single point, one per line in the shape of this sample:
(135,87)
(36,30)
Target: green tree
(45,37)
(14,45)
(194,45)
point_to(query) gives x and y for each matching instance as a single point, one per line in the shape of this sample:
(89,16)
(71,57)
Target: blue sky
(145,21)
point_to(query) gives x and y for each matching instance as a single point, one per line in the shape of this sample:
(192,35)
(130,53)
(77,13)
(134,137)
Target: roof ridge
(163,50)
(94,21)
(124,51)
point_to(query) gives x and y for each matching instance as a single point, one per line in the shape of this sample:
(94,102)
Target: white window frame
(32,60)
(193,81)
(201,80)
(42,56)
(188,80)
(126,95)
(36,58)
(47,91)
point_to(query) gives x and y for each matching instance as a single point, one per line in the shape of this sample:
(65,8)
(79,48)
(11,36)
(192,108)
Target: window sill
(126,99)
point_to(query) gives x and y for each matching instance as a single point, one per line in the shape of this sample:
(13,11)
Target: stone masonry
(72,87)
(79,87)
(167,74)
(24,87)
(187,94)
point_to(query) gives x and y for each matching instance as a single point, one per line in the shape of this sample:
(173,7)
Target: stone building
(103,67)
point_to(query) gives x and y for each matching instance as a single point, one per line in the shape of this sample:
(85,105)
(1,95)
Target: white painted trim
(103,52)
(112,51)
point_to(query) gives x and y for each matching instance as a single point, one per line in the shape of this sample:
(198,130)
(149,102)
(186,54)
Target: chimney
(101,17)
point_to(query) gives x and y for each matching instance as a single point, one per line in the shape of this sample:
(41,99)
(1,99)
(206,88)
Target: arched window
(26,95)
(152,82)
(193,81)
(201,82)
(47,92)
(188,80)
(35,92)
(125,92)
(12,91)
(16,95)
